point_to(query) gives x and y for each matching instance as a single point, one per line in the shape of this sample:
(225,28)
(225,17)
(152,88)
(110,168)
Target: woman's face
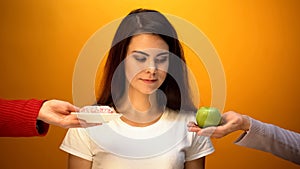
(146,63)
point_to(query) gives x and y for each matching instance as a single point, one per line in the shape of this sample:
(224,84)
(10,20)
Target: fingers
(72,108)
(208,131)
(193,127)
(72,121)
(84,124)
(62,107)
(69,107)
(192,124)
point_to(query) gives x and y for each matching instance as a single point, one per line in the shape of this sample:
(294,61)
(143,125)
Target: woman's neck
(139,107)
(141,102)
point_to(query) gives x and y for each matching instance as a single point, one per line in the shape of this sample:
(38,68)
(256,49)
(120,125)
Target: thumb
(71,108)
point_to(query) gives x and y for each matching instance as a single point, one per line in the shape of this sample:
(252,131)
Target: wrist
(246,123)
(40,113)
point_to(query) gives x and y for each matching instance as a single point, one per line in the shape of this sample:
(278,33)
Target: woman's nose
(151,67)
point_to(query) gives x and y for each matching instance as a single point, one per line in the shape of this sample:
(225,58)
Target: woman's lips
(149,81)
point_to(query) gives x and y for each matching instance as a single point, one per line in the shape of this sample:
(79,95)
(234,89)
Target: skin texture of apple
(208,116)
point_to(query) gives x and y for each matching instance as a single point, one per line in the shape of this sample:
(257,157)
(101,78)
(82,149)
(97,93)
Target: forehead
(147,41)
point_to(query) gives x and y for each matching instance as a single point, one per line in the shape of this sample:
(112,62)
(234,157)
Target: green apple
(208,116)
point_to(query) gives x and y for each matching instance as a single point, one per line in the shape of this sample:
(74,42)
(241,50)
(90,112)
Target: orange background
(257,41)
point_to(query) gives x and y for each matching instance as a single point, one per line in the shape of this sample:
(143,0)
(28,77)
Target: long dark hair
(141,21)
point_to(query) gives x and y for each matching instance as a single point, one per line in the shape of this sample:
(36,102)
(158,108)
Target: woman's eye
(161,59)
(140,58)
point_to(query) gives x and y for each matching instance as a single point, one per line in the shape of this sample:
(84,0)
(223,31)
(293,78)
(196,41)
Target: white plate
(97,117)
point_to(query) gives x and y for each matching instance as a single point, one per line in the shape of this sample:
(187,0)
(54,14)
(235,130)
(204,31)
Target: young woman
(146,81)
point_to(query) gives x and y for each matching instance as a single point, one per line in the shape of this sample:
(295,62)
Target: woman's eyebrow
(146,54)
(163,53)
(143,53)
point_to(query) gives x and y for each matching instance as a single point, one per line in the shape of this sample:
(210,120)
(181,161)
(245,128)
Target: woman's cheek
(131,70)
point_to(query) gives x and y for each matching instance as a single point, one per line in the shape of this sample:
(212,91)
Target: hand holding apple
(208,116)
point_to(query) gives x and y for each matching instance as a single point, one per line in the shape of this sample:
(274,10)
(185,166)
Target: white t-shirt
(165,144)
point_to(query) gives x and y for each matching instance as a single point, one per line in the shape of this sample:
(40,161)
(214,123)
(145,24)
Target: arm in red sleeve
(18,118)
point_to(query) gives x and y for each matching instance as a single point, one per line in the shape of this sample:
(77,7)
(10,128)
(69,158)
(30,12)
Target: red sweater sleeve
(18,118)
